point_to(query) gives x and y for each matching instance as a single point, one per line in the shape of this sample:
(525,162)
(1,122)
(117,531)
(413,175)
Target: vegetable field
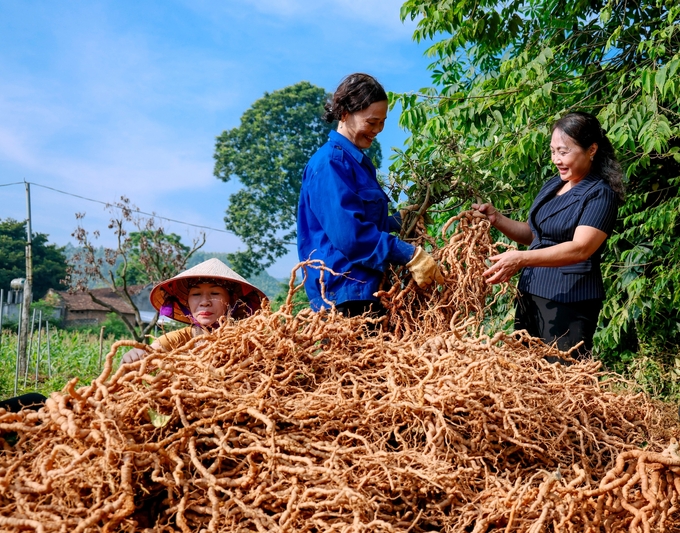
(72,354)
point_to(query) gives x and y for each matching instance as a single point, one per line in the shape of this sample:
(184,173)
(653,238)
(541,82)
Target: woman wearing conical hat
(200,297)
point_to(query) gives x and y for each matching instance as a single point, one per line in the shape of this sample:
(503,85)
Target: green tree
(503,71)
(268,153)
(146,255)
(49,261)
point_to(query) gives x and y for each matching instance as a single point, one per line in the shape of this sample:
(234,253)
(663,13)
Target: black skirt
(567,324)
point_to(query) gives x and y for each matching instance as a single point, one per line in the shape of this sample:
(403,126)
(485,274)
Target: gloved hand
(424,268)
(133,355)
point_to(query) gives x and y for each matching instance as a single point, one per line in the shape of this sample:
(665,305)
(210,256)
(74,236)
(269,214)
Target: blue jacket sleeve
(350,217)
(395,223)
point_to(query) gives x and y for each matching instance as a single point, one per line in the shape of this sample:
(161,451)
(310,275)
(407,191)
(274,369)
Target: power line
(109,204)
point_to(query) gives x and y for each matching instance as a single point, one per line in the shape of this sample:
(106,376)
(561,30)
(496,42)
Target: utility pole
(28,287)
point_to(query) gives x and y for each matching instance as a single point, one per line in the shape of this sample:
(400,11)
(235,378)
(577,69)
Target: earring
(592,157)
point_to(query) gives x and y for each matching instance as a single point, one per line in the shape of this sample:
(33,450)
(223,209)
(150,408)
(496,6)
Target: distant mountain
(268,284)
(70,251)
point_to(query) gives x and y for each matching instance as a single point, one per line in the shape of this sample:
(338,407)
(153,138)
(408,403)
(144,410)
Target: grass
(72,354)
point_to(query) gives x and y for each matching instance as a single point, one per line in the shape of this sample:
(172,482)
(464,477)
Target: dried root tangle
(317,422)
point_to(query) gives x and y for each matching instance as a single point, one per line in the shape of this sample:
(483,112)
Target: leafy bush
(300,300)
(503,72)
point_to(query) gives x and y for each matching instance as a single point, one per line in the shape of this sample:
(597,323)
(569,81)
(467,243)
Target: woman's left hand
(134,355)
(505,266)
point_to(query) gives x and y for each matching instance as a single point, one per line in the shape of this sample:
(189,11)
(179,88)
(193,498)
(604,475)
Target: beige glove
(424,268)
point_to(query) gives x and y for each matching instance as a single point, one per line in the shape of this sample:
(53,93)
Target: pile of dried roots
(318,422)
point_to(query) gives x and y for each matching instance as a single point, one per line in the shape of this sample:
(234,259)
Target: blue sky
(104,99)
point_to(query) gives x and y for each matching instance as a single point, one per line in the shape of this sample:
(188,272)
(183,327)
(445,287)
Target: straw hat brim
(212,269)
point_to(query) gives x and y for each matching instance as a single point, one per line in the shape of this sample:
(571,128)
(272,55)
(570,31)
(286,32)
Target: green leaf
(547,89)
(660,80)
(647,77)
(157,419)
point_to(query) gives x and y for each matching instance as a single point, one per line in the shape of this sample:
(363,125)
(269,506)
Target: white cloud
(379,14)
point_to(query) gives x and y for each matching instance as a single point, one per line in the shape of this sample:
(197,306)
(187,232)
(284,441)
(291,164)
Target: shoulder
(329,164)
(329,159)
(552,182)
(175,339)
(602,190)
(549,186)
(330,151)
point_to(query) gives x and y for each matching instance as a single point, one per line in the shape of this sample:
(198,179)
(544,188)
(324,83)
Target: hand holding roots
(317,422)
(461,302)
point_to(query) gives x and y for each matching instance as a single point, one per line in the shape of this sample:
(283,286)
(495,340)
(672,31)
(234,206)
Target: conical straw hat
(212,269)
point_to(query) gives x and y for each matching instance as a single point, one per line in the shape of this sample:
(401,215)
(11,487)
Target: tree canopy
(49,261)
(503,72)
(267,153)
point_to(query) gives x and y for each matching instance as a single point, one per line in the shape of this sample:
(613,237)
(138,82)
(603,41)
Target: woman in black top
(560,291)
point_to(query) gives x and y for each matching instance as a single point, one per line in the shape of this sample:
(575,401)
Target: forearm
(519,232)
(585,243)
(566,253)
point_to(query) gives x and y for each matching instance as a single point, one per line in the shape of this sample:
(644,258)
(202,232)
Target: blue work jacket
(553,220)
(343,221)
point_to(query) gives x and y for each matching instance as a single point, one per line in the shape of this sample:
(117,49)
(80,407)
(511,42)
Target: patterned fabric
(553,220)
(343,221)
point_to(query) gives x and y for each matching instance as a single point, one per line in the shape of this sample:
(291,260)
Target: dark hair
(355,92)
(585,130)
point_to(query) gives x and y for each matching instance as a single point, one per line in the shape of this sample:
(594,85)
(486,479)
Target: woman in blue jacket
(560,290)
(342,213)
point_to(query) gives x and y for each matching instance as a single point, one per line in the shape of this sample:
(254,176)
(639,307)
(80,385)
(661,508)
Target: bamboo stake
(101,345)
(16,367)
(37,359)
(49,352)
(2,308)
(30,349)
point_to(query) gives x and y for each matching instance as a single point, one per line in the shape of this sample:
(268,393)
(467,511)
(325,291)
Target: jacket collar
(581,188)
(572,196)
(347,145)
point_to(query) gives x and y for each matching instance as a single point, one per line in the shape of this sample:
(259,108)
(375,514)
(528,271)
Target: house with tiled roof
(81,308)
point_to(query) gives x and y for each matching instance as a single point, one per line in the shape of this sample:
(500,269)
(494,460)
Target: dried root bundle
(462,302)
(318,422)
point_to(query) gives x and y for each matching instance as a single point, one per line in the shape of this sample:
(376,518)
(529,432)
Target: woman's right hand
(136,354)
(489,210)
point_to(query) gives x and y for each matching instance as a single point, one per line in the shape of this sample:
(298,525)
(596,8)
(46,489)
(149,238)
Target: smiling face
(361,127)
(208,302)
(572,162)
